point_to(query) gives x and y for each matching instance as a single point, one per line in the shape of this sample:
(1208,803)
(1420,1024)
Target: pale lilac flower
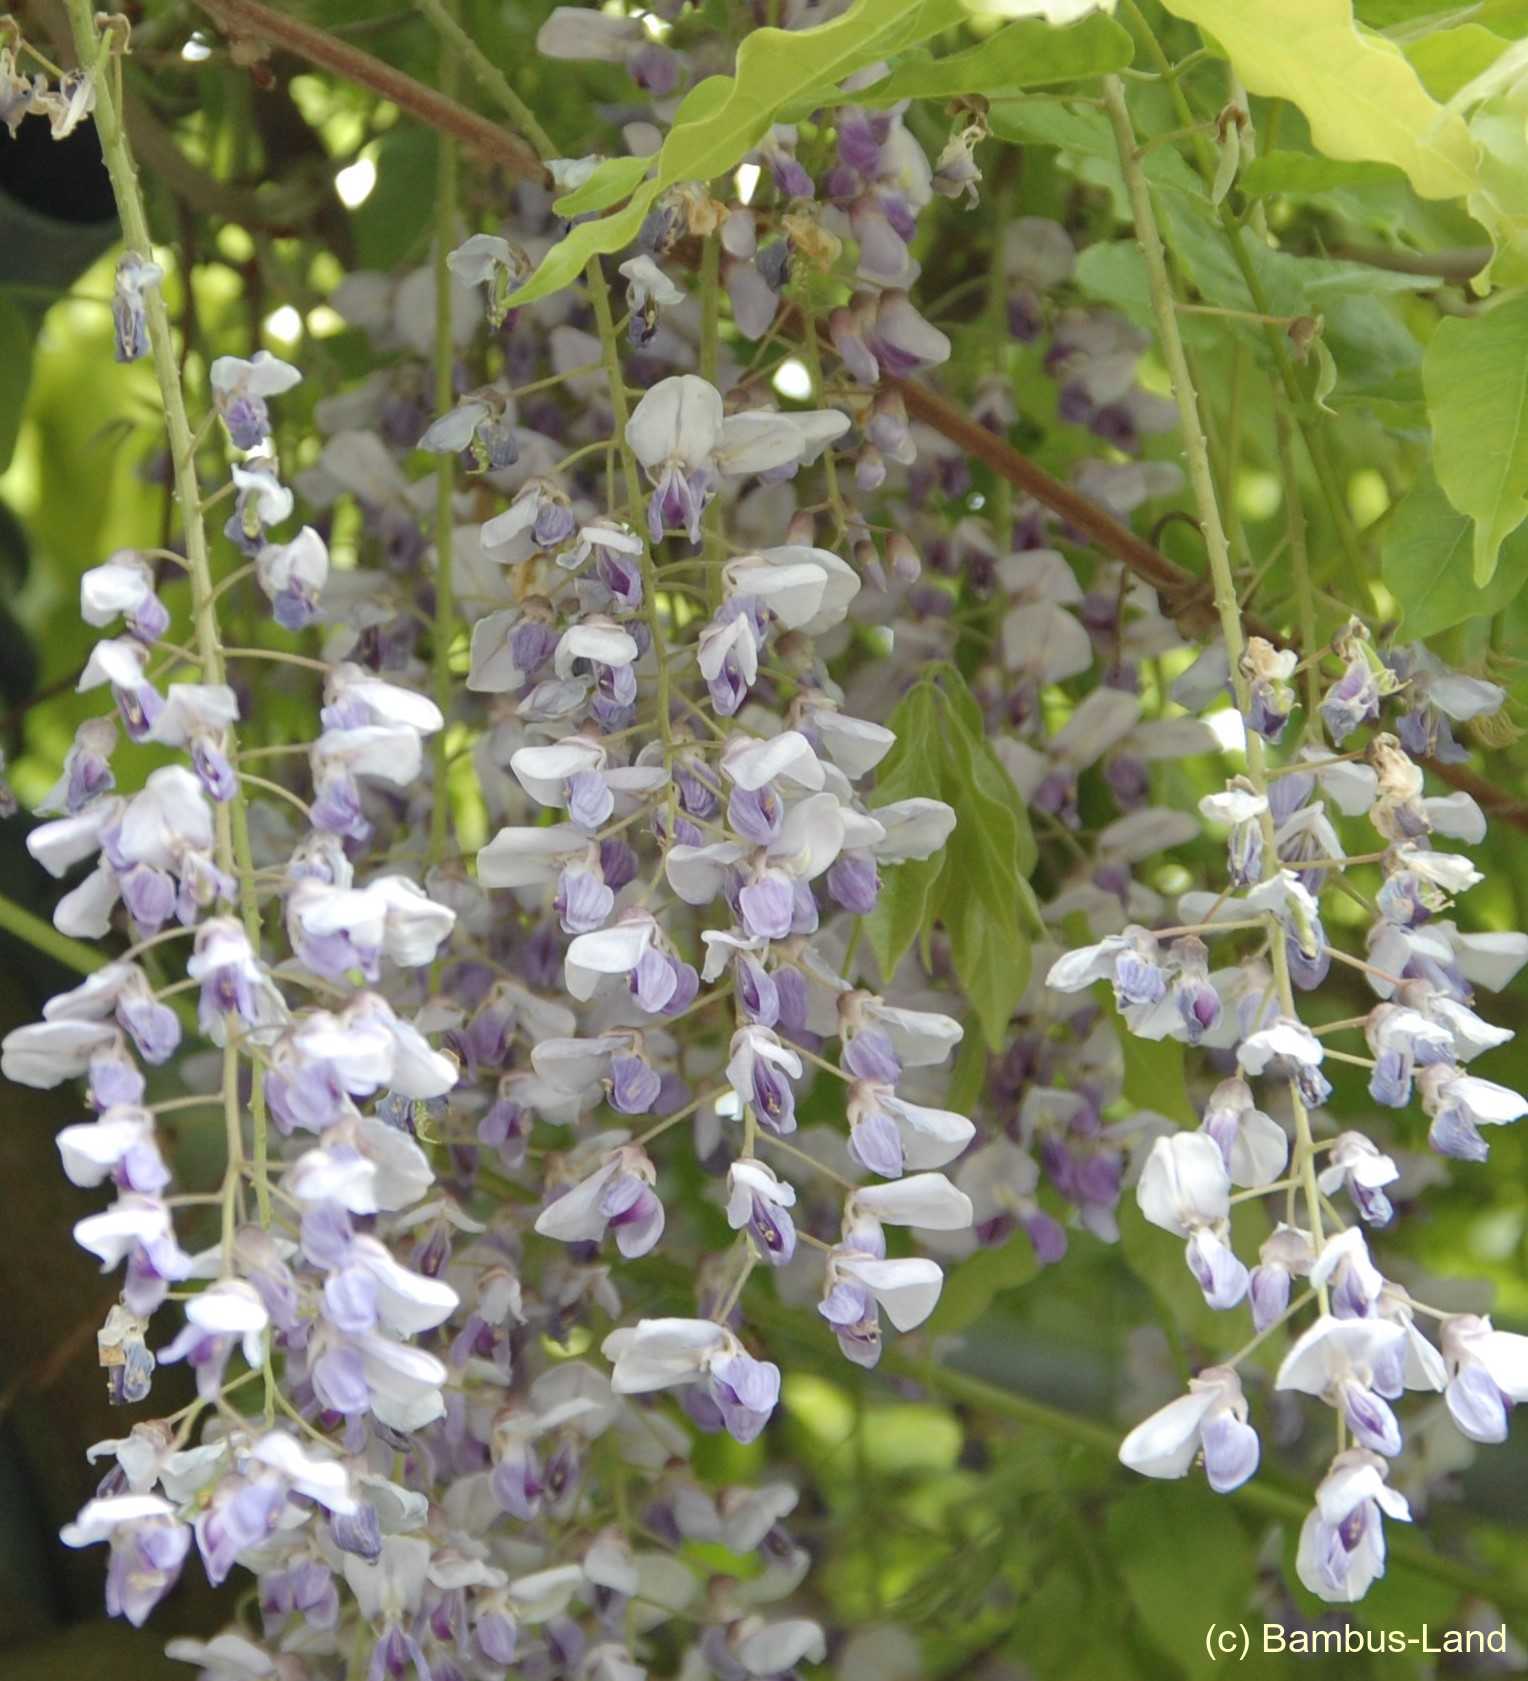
(926,1200)
(619,1194)
(1356,1284)
(1253,1145)
(680,435)
(1286,1048)
(148,1548)
(648,289)
(121,990)
(47,1053)
(860,1282)
(239,390)
(1185,1189)
(1487,1375)
(887,1133)
(226,1657)
(758,1202)
(1459,1105)
(661,1353)
(1342,1543)
(1338,1361)
(1286,1254)
(1210,1421)
(124,586)
(293,576)
(760,1070)
(1359,1167)
(123,663)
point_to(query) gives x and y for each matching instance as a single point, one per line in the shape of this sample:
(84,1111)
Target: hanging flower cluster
(533,986)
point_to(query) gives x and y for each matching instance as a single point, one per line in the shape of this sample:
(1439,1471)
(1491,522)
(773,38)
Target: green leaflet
(1446,59)
(1425,562)
(611,181)
(726,116)
(1501,204)
(1209,1547)
(1359,94)
(568,257)
(1475,377)
(1154,1077)
(977,888)
(1304,174)
(1029,54)
(970,1287)
(909,771)
(1086,133)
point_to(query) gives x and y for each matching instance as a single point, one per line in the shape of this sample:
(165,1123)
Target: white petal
(531,857)
(679,419)
(930,1137)
(928,1200)
(1164,1445)
(751,763)
(1184,1183)
(908,1289)
(46,1054)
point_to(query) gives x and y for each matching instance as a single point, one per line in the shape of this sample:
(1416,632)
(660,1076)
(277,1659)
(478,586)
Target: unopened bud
(802,529)
(906,563)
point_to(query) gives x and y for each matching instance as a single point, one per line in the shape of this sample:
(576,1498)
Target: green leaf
(1446,59)
(1154,1077)
(1501,205)
(1029,54)
(611,181)
(970,1075)
(569,256)
(1303,175)
(970,1287)
(1359,95)
(901,910)
(1425,564)
(725,116)
(16,340)
(911,770)
(992,958)
(1208,1548)
(1086,133)
(984,772)
(1475,376)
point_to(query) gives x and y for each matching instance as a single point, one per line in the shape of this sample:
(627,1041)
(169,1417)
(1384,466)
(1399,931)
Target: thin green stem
(232,844)
(710,357)
(599,297)
(446,187)
(489,77)
(42,936)
(811,354)
(1202,482)
(1294,511)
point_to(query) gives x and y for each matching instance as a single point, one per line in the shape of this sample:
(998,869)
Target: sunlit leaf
(1475,375)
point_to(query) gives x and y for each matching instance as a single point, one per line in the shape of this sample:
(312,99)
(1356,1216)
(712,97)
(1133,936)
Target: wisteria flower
(1209,1422)
(680,435)
(239,389)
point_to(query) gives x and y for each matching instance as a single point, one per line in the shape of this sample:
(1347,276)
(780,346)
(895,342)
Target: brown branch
(248,20)
(1186,599)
